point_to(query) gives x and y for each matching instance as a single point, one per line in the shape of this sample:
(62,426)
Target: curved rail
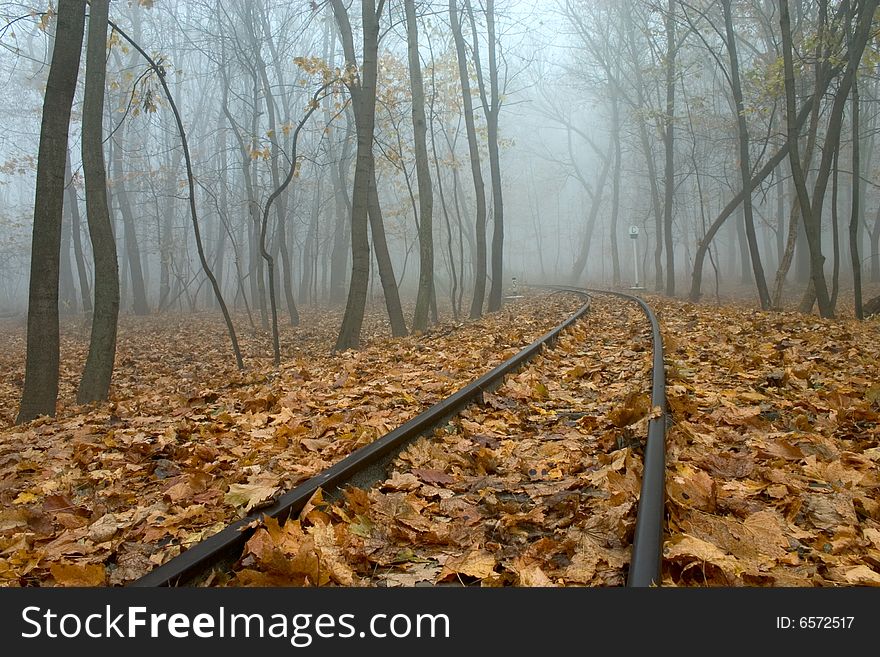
(362,467)
(647,551)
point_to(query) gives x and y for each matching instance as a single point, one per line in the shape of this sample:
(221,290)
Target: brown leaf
(475,563)
(74,574)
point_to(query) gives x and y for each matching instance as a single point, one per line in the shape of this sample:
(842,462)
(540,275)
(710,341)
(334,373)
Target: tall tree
(854,210)
(745,167)
(491,101)
(476,170)
(40,393)
(365,213)
(95,382)
(669,148)
(423,173)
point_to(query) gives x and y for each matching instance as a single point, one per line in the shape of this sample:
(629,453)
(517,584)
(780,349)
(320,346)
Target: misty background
(584,122)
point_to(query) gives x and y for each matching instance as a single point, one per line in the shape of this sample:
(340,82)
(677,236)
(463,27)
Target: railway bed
(530,475)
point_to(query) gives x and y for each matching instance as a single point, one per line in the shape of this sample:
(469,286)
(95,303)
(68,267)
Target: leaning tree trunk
(95,382)
(40,392)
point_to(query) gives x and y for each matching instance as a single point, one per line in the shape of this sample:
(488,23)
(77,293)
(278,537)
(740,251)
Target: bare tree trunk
(476,170)
(363,94)
(423,173)
(342,229)
(139,291)
(491,106)
(835,231)
(71,205)
(669,146)
(95,382)
(615,188)
(855,210)
(383,257)
(67,299)
(40,392)
(745,166)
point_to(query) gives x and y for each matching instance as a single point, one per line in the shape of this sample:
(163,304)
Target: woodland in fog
(252,157)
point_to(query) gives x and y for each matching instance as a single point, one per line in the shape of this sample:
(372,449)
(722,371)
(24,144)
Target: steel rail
(647,550)
(363,467)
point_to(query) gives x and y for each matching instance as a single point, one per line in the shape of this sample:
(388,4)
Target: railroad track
(372,464)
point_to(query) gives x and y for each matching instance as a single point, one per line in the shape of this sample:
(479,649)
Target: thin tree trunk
(206,268)
(383,257)
(669,145)
(71,205)
(139,291)
(476,170)
(745,166)
(855,211)
(95,382)
(423,174)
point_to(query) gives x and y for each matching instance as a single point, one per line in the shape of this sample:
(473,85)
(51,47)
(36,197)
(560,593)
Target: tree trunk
(855,210)
(139,290)
(71,206)
(423,174)
(669,145)
(615,188)
(383,257)
(342,229)
(745,166)
(491,106)
(476,170)
(363,95)
(67,300)
(95,382)
(40,392)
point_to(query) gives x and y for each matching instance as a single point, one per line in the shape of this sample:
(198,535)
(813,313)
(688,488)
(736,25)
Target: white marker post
(634,235)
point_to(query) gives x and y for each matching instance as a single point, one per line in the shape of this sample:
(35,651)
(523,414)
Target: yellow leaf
(25,498)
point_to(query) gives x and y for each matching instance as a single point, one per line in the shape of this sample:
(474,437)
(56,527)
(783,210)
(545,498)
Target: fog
(612,116)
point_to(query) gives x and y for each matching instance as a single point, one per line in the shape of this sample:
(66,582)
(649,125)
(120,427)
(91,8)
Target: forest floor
(773,451)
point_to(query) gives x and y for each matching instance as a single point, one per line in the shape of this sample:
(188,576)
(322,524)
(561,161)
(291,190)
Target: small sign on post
(634,235)
(514,289)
